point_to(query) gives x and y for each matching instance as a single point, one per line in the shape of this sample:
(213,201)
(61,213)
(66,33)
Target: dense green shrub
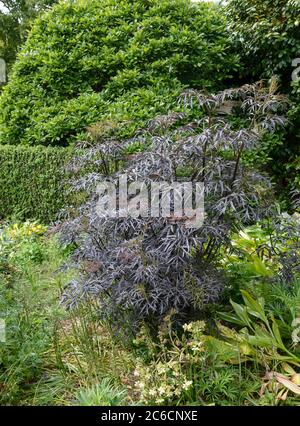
(85,61)
(268,31)
(32,182)
(293,165)
(267,35)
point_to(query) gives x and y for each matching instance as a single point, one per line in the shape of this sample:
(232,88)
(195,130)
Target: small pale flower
(188,327)
(187,384)
(161,390)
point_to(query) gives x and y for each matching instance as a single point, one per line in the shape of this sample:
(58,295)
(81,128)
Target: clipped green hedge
(32,182)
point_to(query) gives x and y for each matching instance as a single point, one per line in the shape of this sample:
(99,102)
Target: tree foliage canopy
(268,31)
(267,35)
(16,17)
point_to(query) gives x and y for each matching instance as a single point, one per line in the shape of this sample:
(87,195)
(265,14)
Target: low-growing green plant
(263,255)
(87,346)
(50,353)
(266,338)
(29,304)
(190,368)
(103,394)
(270,340)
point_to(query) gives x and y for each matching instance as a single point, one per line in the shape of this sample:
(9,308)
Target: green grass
(50,355)
(29,302)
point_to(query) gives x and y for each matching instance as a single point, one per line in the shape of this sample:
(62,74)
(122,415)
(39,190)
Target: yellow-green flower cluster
(196,328)
(26,229)
(161,383)
(170,375)
(13,237)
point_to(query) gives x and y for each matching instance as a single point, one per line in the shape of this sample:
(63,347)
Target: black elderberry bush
(139,269)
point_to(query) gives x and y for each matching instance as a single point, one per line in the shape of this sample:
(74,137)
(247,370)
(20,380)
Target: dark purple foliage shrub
(142,268)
